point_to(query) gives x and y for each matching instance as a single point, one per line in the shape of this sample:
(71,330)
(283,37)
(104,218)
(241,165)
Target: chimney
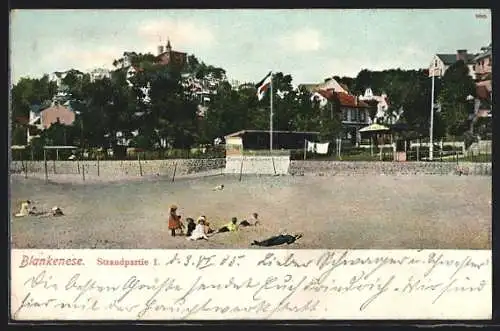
(160,49)
(462,55)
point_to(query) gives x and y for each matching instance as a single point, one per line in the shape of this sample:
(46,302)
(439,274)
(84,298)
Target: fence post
(83,171)
(45,165)
(305,148)
(175,170)
(54,166)
(98,169)
(26,169)
(274,166)
(78,165)
(241,167)
(139,160)
(441,150)
(418,151)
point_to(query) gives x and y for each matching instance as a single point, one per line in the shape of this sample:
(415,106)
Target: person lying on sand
(199,231)
(230,227)
(56,211)
(174,221)
(278,240)
(254,221)
(28,209)
(218,188)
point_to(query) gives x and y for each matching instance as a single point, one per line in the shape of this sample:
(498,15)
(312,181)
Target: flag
(263,86)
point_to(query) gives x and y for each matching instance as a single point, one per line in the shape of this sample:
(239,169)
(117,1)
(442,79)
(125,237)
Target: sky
(309,44)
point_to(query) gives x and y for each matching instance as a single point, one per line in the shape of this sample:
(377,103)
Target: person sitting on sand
(199,231)
(208,229)
(174,220)
(230,227)
(191,225)
(25,209)
(278,240)
(254,221)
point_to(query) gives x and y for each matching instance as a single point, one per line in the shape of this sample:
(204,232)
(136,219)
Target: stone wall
(332,168)
(122,168)
(257,165)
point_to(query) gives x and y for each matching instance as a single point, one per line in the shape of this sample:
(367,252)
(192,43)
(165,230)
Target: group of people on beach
(202,229)
(27,208)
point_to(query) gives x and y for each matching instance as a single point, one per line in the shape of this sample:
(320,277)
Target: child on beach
(199,231)
(253,221)
(191,225)
(174,221)
(230,227)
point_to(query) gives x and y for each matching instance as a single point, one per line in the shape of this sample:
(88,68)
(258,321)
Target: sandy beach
(358,212)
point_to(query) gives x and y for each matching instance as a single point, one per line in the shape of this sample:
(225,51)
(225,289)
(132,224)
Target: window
(363,116)
(353,115)
(344,114)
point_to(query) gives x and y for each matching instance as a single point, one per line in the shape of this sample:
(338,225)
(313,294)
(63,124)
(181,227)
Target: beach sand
(338,212)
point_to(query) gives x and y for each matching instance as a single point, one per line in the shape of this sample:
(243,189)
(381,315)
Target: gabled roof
(483,55)
(346,100)
(449,59)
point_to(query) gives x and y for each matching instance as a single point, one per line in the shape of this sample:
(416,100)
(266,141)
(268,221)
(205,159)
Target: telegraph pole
(431,129)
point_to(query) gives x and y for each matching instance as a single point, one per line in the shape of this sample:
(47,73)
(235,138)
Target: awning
(374,128)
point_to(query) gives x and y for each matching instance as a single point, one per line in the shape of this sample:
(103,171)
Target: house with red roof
(355,113)
(168,56)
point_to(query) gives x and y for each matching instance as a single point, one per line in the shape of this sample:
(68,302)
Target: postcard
(250,164)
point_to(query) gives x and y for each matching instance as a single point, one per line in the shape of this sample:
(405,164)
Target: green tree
(29,94)
(457,86)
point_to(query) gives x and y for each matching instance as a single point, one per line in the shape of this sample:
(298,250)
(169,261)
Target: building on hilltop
(168,56)
(99,73)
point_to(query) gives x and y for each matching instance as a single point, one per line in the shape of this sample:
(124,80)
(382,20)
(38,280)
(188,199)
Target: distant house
(483,70)
(168,56)
(42,120)
(56,114)
(259,140)
(99,73)
(483,64)
(131,72)
(441,62)
(382,104)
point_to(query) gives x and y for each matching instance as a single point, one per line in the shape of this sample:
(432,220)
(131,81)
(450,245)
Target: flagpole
(271,118)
